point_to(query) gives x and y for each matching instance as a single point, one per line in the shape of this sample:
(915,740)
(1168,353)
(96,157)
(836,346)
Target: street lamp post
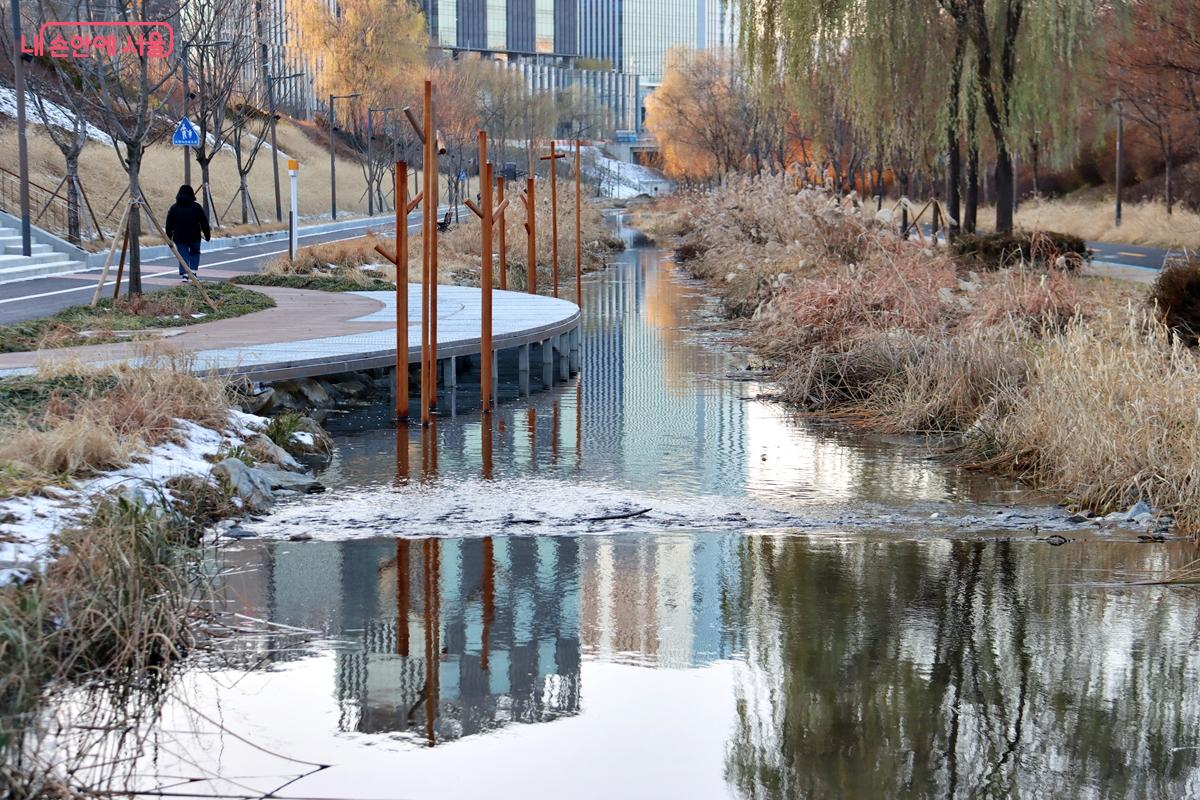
(271,81)
(22,144)
(1120,154)
(371,152)
(333,153)
(187,154)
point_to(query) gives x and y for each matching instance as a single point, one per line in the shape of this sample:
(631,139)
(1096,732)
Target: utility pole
(22,143)
(333,153)
(1120,153)
(271,81)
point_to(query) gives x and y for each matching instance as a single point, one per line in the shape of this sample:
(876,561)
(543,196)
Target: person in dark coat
(186,223)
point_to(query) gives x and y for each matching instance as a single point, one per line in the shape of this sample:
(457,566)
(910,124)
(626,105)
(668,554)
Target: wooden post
(431,134)
(112,251)
(401,291)
(501,245)
(578,233)
(121,265)
(531,234)
(485,281)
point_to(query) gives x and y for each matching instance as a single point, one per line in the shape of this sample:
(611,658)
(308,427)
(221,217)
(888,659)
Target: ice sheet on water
(540,506)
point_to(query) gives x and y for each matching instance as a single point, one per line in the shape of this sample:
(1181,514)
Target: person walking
(187,221)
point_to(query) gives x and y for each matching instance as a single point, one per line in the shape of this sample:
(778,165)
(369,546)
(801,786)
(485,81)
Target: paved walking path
(312,333)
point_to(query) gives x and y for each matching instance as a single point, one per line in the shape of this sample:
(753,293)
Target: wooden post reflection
(431,587)
(485,428)
(554,434)
(403,594)
(532,436)
(402,465)
(489,599)
(429,445)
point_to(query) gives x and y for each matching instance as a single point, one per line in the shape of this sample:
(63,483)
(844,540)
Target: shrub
(281,428)
(1040,248)
(1176,298)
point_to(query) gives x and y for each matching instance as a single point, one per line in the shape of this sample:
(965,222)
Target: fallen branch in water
(624,515)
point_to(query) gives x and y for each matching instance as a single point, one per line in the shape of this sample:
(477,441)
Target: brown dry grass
(162,172)
(1142,223)
(107,417)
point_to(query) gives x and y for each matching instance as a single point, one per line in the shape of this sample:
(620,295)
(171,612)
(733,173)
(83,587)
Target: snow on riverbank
(28,524)
(622,180)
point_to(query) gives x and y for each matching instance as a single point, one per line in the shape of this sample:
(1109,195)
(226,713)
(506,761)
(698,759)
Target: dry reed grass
(1064,381)
(105,417)
(1107,416)
(1144,223)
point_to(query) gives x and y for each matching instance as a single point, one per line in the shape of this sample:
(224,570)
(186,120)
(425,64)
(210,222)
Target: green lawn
(121,320)
(320,283)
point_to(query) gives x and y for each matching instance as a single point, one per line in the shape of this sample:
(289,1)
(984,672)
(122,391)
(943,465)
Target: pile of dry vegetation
(1075,385)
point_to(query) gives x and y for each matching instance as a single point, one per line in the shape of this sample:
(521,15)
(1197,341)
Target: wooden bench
(444,225)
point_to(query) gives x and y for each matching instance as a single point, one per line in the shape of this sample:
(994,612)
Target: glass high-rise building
(629,36)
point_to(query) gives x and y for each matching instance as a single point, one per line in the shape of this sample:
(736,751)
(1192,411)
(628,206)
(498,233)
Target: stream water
(647,582)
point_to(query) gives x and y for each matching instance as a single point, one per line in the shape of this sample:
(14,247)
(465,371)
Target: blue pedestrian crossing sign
(186,134)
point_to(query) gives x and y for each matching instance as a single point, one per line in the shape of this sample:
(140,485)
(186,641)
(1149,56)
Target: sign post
(293,215)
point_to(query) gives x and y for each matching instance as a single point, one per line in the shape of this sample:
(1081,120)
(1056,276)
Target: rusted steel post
(501,244)
(489,600)
(554,212)
(531,235)
(431,134)
(485,280)
(578,233)
(403,593)
(401,290)
(429,586)
(428,229)
(486,448)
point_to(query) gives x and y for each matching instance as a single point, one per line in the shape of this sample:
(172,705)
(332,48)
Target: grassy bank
(355,265)
(1145,223)
(1069,383)
(126,319)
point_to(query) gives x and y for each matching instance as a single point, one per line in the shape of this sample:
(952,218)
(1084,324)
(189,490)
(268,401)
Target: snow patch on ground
(622,180)
(28,524)
(57,115)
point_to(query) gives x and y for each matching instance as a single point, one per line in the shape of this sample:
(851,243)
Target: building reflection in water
(486,628)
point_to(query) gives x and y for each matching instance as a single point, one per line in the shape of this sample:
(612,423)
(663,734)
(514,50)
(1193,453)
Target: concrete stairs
(43,259)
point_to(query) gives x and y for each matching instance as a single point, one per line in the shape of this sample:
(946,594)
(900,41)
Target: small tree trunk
(134,157)
(205,188)
(1004,189)
(1168,188)
(245,194)
(73,199)
(971,207)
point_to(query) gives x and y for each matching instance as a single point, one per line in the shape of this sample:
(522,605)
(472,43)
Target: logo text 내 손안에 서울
(78,39)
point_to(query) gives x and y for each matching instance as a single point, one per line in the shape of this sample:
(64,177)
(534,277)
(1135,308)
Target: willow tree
(1029,62)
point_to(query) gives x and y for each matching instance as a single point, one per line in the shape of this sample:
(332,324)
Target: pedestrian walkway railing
(49,209)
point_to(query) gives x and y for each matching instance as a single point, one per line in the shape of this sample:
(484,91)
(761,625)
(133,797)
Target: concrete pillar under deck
(576,350)
(495,378)
(564,358)
(547,362)
(523,368)
(450,372)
